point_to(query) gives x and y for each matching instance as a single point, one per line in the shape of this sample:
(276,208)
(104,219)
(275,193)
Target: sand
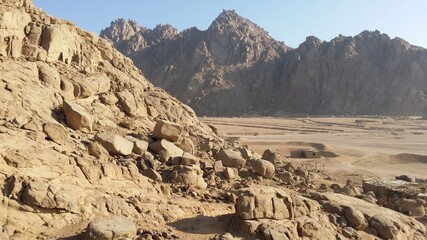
(352,148)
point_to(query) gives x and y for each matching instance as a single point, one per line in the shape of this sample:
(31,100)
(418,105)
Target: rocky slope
(91,150)
(235,68)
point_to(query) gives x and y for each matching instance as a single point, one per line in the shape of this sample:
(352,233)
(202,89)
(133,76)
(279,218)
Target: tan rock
(186,145)
(189,159)
(77,117)
(189,175)
(152,174)
(115,228)
(272,203)
(231,158)
(97,150)
(130,105)
(272,156)
(91,86)
(355,218)
(263,168)
(115,144)
(230,173)
(139,146)
(167,130)
(173,150)
(414,206)
(49,75)
(56,132)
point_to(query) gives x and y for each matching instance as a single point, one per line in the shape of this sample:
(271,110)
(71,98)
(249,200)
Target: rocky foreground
(91,150)
(235,68)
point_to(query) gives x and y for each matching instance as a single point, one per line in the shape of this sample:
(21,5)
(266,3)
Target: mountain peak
(231,17)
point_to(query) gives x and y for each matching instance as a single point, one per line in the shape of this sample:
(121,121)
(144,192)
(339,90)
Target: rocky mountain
(89,149)
(235,68)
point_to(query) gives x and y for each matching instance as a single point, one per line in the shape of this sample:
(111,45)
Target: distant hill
(235,68)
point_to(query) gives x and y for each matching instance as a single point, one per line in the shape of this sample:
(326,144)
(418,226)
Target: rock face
(235,68)
(60,88)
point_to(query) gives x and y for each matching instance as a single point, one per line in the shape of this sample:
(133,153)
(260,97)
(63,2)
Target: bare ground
(354,148)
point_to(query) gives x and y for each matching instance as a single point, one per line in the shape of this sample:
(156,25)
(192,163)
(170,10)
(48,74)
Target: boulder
(152,174)
(77,117)
(414,206)
(188,175)
(139,146)
(189,159)
(115,144)
(230,158)
(246,153)
(272,203)
(385,227)
(97,150)
(272,156)
(56,132)
(163,144)
(218,166)
(91,86)
(130,105)
(114,228)
(355,218)
(186,144)
(167,130)
(263,168)
(49,75)
(230,173)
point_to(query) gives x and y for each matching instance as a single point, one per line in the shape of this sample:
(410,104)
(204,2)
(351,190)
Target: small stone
(56,132)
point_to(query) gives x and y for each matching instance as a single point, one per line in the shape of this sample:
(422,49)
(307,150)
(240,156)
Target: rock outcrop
(235,68)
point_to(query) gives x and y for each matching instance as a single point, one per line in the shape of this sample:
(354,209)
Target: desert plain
(353,148)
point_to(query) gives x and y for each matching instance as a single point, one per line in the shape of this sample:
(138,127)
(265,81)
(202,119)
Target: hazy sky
(289,21)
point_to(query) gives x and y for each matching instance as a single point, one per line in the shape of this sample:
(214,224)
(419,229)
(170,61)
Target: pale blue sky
(290,21)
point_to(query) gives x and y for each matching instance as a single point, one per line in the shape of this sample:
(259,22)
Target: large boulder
(263,168)
(115,228)
(231,158)
(167,130)
(77,117)
(115,144)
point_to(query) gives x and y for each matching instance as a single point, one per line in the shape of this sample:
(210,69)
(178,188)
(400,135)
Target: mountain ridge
(235,68)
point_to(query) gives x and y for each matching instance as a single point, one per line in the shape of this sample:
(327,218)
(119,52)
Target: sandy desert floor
(351,148)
